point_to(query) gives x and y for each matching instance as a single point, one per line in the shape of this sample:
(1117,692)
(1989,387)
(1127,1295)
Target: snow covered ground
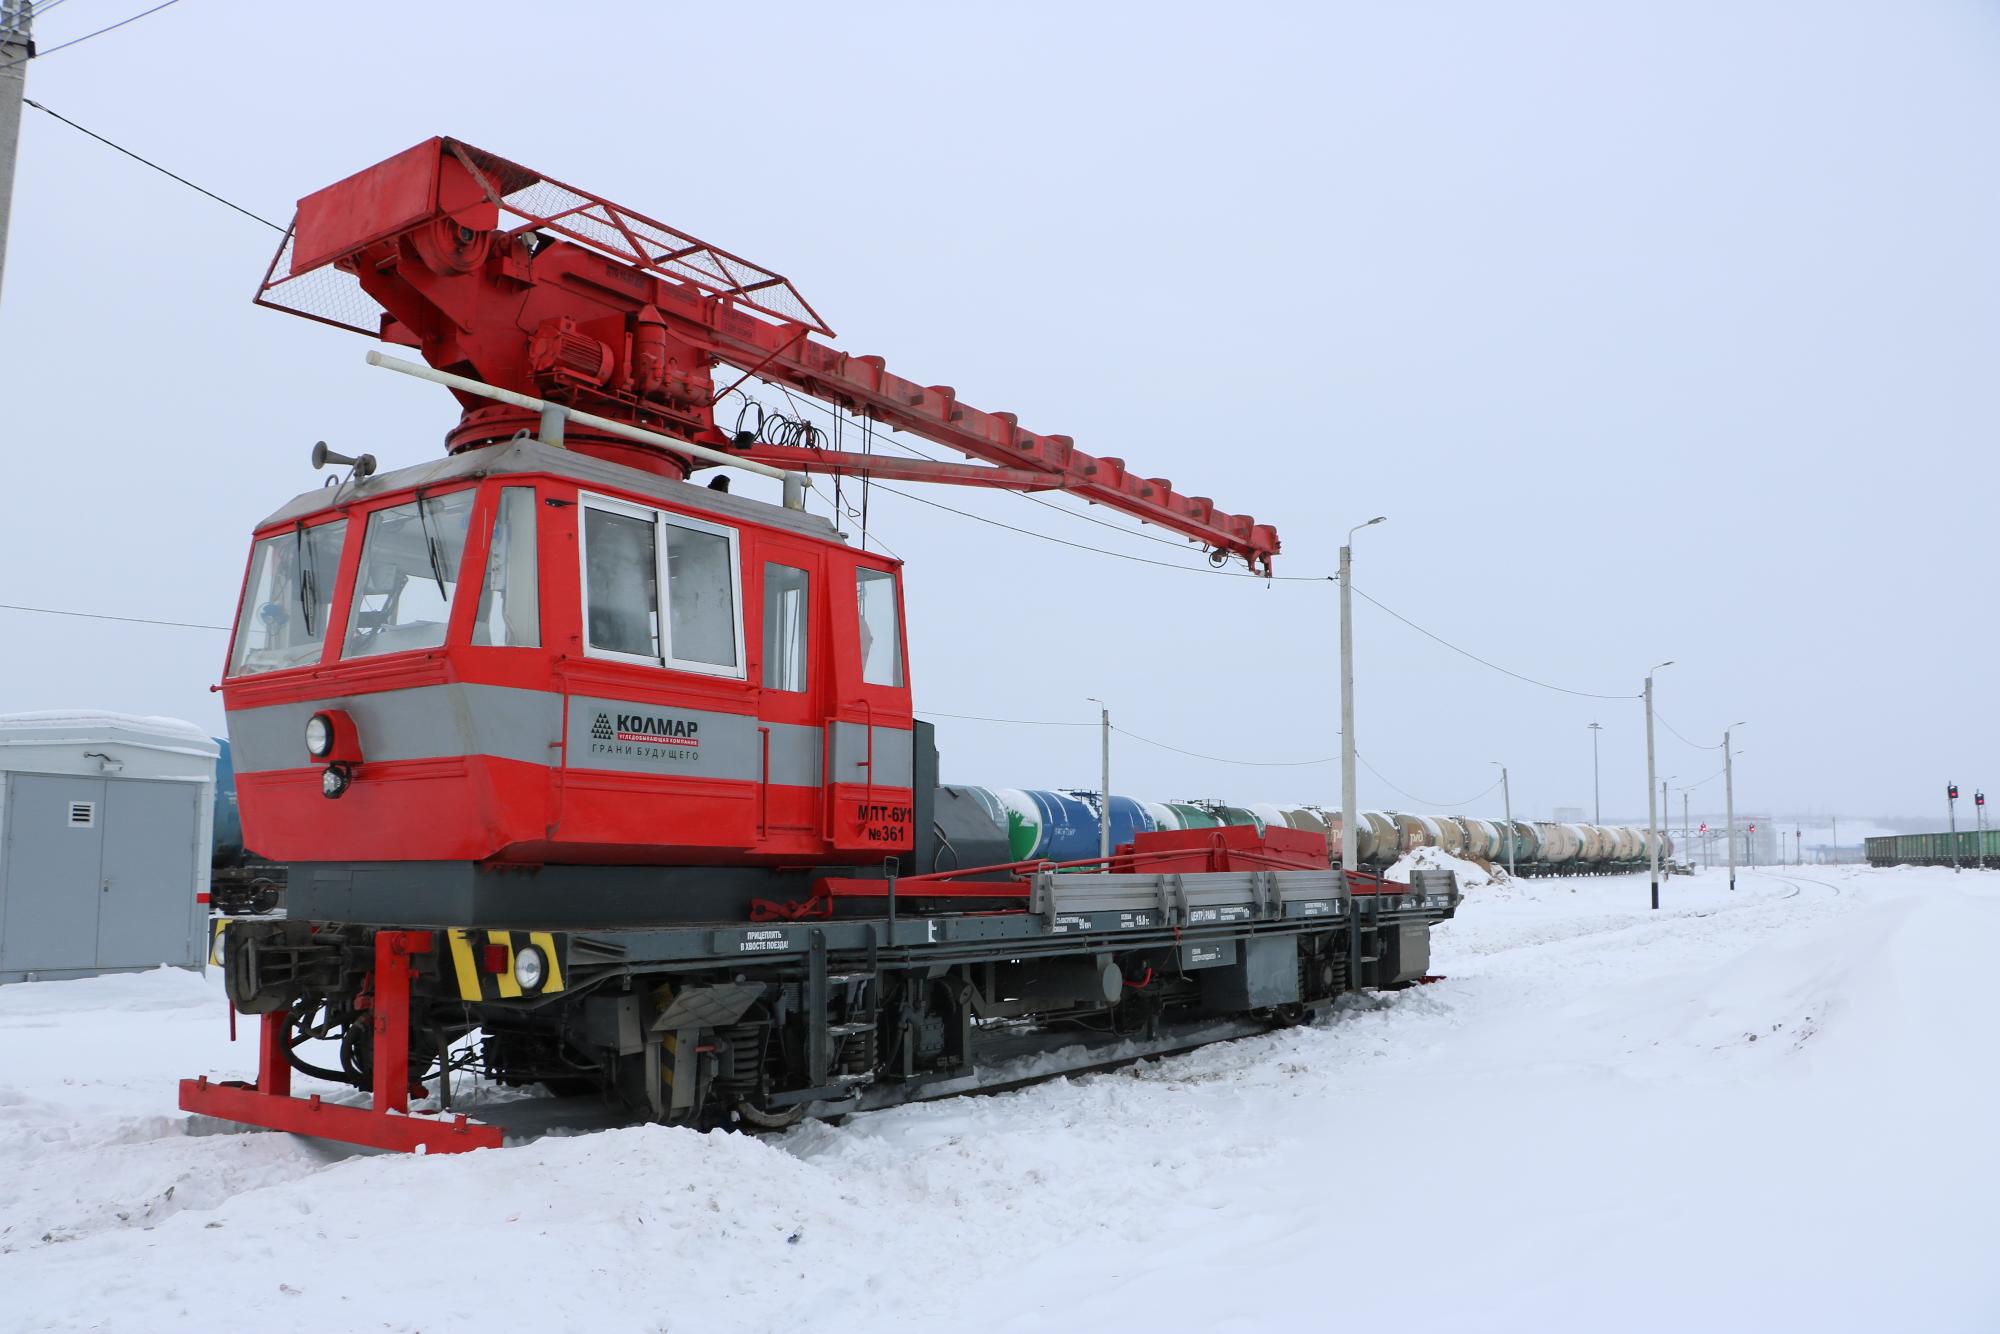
(1766,1111)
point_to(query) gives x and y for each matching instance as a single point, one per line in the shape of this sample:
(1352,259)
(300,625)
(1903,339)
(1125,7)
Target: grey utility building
(105,830)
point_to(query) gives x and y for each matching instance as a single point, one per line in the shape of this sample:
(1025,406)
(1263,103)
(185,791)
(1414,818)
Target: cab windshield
(285,602)
(409,572)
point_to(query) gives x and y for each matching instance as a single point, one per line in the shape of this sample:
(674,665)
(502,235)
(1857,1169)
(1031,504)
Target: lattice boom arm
(504,275)
(862,384)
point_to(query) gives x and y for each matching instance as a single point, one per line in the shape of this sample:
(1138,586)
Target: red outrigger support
(387,1124)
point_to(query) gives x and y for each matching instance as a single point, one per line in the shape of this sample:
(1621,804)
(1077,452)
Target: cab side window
(620,571)
(881,635)
(786,599)
(661,588)
(701,594)
(509,603)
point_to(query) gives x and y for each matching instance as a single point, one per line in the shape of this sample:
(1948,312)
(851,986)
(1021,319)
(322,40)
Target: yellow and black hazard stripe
(475,984)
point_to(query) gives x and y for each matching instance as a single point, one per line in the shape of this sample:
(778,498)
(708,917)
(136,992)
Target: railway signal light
(1979,798)
(1951,791)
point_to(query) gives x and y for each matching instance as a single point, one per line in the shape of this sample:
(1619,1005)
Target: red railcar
(589,776)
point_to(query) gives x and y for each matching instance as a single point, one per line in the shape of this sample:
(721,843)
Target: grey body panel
(1267,974)
(420,723)
(531,456)
(696,913)
(894,763)
(626,736)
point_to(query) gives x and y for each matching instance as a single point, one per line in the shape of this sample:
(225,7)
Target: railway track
(1797,882)
(1018,1062)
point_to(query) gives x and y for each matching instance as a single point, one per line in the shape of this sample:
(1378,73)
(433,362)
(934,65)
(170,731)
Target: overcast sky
(1659,331)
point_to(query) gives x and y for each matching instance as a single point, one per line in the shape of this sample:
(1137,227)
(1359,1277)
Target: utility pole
(1836,840)
(1666,815)
(1104,796)
(1349,812)
(1652,808)
(17,45)
(1729,800)
(1507,805)
(1951,805)
(1979,850)
(1687,834)
(1596,789)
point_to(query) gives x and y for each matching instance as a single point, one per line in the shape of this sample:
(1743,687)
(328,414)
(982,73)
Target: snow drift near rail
(1758,1111)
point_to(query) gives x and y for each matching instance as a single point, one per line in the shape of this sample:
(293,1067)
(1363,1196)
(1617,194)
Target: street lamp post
(1729,800)
(1652,807)
(1596,789)
(1507,810)
(1350,860)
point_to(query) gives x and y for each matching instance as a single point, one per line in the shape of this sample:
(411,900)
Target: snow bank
(1750,1111)
(1471,875)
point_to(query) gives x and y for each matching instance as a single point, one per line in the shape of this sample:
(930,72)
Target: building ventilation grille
(82,814)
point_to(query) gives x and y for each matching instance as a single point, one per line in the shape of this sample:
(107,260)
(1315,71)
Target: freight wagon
(1967,847)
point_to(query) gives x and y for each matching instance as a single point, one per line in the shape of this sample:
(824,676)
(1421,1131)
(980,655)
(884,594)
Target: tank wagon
(240,881)
(1967,847)
(590,777)
(1064,824)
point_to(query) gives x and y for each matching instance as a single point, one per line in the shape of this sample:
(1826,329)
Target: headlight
(319,736)
(334,780)
(530,968)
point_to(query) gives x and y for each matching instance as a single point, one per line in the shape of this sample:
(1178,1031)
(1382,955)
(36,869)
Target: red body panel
(1229,848)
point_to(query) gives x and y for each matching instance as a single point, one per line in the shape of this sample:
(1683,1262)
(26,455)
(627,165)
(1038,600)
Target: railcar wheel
(754,1115)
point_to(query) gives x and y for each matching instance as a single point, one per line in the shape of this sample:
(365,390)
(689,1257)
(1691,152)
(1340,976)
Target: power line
(1101,551)
(1587,694)
(101,616)
(77,41)
(1704,782)
(154,165)
(843,510)
(978,518)
(1423,801)
(1661,719)
(1219,759)
(1012,722)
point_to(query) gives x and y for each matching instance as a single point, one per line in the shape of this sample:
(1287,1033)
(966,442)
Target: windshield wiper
(431,546)
(308,575)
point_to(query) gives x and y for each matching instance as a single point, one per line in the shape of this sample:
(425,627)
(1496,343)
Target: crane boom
(500,274)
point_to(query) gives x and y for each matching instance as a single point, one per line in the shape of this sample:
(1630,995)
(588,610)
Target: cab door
(793,654)
(870,759)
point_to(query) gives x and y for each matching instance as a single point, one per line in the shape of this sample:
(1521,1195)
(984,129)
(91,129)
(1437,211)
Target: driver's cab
(527,654)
